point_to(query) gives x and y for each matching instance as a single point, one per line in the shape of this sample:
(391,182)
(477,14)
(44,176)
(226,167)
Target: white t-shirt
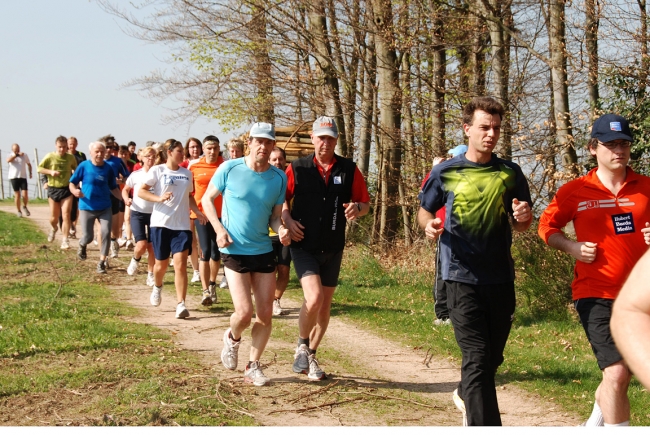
(18,167)
(135,181)
(174,213)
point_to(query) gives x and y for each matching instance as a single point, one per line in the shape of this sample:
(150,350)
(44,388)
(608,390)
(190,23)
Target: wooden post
(39,187)
(2,183)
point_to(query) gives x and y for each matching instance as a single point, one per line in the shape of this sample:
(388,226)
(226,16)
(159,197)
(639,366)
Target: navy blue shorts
(140,226)
(262,263)
(207,242)
(327,265)
(168,242)
(595,314)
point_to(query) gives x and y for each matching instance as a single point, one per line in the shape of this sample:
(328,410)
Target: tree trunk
(367,106)
(439,55)
(645,61)
(389,109)
(263,73)
(591,40)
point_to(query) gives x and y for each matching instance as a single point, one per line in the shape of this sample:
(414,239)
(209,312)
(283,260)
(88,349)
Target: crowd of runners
(254,214)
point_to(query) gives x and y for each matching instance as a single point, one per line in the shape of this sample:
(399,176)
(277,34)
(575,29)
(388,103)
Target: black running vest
(319,207)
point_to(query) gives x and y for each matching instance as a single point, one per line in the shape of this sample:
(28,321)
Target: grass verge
(65,349)
(549,357)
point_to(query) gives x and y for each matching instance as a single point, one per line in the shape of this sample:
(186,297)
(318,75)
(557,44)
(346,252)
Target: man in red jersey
(610,210)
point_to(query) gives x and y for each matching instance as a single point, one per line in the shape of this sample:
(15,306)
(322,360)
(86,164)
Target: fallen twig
(310,408)
(223,402)
(311,393)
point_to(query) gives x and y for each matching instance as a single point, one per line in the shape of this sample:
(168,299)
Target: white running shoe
(95,242)
(181,311)
(19,213)
(129,244)
(440,322)
(133,266)
(114,248)
(26,211)
(121,242)
(50,235)
(65,245)
(150,279)
(156,297)
(213,292)
(196,277)
(315,372)
(230,351)
(207,299)
(301,359)
(460,404)
(254,375)
(224,283)
(277,309)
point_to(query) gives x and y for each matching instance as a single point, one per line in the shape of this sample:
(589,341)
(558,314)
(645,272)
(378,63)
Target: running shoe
(230,351)
(114,248)
(460,404)
(254,375)
(19,213)
(26,211)
(50,236)
(181,311)
(315,372)
(121,242)
(207,299)
(277,309)
(95,242)
(133,266)
(150,279)
(101,267)
(224,283)
(72,234)
(129,244)
(65,245)
(213,292)
(301,359)
(196,277)
(156,297)
(441,322)
(81,252)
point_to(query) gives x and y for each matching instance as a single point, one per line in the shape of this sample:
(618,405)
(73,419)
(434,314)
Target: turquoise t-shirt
(248,201)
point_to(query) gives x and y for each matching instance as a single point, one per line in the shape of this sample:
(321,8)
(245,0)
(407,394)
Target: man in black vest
(326,190)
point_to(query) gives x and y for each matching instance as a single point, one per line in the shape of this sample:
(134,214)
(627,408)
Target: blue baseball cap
(460,149)
(611,127)
(263,130)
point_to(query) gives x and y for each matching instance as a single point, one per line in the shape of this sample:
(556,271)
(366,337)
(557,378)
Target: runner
(117,206)
(202,170)
(193,150)
(125,241)
(170,222)
(97,185)
(482,193)
(326,190)
(609,208)
(74,212)
(18,165)
(253,193)
(282,253)
(140,216)
(58,167)
(235,151)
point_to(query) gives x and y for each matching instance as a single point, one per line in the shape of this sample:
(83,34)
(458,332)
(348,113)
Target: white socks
(596,417)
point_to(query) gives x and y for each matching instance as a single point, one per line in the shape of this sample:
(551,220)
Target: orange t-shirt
(614,222)
(202,173)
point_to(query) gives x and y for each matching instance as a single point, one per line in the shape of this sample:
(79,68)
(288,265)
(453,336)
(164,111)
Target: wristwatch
(359,207)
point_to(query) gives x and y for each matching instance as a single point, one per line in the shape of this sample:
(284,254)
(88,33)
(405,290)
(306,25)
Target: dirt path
(360,364)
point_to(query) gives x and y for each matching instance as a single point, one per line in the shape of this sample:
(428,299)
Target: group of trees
(396,73)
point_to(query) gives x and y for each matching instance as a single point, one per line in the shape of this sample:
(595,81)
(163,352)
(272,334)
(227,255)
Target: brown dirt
(373,381)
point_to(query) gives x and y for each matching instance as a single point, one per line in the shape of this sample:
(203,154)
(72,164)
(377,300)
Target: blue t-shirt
(96,185)
(248,201)
(118,166)
(475,243)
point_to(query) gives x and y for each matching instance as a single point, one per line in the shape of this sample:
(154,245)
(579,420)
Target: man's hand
(295,229)
(223,239)
(646,233)
(201,218)
(351,211)
(433,229)
(77,193)
(128,202)
(55,173)
(584,251)
(521,210)
(285,237)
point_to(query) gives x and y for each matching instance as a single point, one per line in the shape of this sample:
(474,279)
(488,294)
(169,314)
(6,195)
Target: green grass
(60,333)
(549,357)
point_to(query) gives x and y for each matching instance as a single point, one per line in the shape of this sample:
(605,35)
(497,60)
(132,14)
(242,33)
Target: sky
(63,65)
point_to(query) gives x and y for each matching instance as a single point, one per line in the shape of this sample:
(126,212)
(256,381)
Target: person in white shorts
(170,222)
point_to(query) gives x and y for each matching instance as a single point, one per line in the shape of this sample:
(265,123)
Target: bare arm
(151,197)
(211,193)
(76,192)
(431,225)
(581,251)
(276,225)
(630,321)
(354,210)
(125,196)
(195,208)
(295,227)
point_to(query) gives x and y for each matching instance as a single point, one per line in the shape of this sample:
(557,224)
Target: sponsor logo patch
(623,223)
(615,126)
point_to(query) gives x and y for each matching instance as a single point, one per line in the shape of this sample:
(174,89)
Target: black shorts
(262,263)
(327,265)
(58,194)
(19,184)
(595,314)
(140,226)
(282,253)
(207,242)
(117,205)
(168,242)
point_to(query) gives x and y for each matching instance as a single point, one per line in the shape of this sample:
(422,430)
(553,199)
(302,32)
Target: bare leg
(180,275)
(159,269)
(314,297)
(323,320)
(55,212)
(282,280)
(194,257)
(66,208)
(239,285)
(612,393)
(26,198)
(17,199)
(263,288)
